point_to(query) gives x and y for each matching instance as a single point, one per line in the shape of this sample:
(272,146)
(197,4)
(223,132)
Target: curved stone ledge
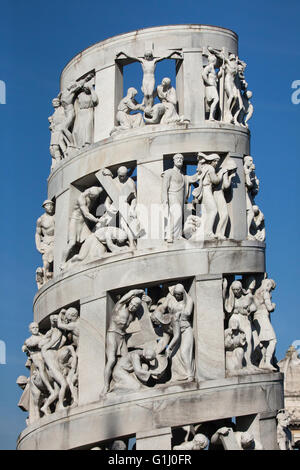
(181,260)
(171,406)
(147,144)
(103,53)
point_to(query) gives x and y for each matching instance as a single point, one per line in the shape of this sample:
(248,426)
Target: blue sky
(38,38)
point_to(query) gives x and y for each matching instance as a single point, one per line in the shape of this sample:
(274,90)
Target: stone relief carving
(80,220)
(175,189)
(284,435)
(144,341)
(53,361)
(124,117)
(224,76)
(72,122)
(264,331)
(44,240)
(255,218)
(250,339)
(84,121)
(148,63)
(235,440)
(199,442)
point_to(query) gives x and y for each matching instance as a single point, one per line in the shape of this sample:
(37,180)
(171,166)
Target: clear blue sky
(37,39)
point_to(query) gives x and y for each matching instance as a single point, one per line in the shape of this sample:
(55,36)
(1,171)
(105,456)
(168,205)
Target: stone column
(268,430)
(62,203)
(109,89)
(237,206)
(149,181)
(189,85)
(158,439)
(209,328)
(92,348)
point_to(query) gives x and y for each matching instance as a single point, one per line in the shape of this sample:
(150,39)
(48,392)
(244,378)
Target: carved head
(94,192)
(148,55)
(71,314)
(34,328)
(179,292)
(118,445)
(122,174)
(131,92)
(248,161)
(166,82)
(247,440)
(149,354)
(178,160)
(134,304)
(48,205)
(200,442)
(56,103)
(237,289)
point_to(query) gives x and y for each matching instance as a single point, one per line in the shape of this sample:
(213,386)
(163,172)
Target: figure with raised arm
(44,239)
(148,63)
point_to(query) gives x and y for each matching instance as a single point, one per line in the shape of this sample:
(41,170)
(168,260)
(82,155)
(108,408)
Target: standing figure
(81,217)
(148,63)
(210,79)
(252,188)
(175,190)
(241,305)
(167,95)
(233,97)
(209,179)
(84,122)
(58,141)
(125,119)
(122,315)
(126,199)
(67,98)
(219,195)
(32,347)
(44,240)
(262,324)
(284,435)
(178,305)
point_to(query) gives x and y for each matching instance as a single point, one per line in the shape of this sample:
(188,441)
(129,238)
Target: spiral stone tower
(152,315)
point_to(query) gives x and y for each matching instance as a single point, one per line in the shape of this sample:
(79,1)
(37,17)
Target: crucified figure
(148,63)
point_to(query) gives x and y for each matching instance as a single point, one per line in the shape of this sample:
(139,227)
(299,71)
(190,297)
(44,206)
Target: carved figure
(127,105)
(84,122)
(262,323)
(44,240)
(241,306)
(175,311)
(284,435)
(235,343)
(219,196)
(252,188)
(122,315)
(148,63)
(209,179)
(259,224)
(210,79)
(235,440)
(58,141)
(81,217)
(167,95)
(174,195)
(199,442)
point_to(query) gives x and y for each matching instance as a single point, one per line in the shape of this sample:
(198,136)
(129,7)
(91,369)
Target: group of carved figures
(216,435)
(158,349)
(72,123)
(207,217)
(53,364)
(250,339)
(227,99)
